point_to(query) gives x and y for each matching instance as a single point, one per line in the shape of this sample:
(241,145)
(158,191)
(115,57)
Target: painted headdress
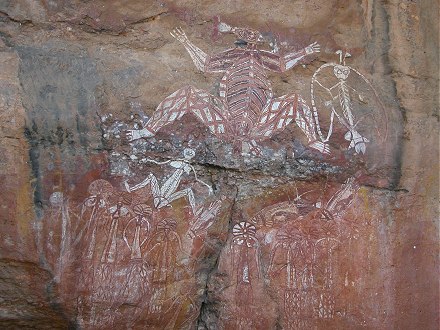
(246,34)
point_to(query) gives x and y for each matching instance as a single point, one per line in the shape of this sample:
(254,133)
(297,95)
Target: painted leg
(305,121)
(357,141)
(281,112)
(274,119)
(209,110)
(206,107)
(155,191)
(148,179)
(154,186)
(184,193)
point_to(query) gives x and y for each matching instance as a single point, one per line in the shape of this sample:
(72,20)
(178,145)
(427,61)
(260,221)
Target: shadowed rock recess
(219,165)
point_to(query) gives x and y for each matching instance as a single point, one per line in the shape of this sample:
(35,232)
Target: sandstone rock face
(262,167)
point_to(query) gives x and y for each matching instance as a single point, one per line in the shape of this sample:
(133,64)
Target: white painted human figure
(292,262)
(135,234)
(162,251)
(141,230)
(60,216)
(246,110)
(117,212)
(167,193)
(332,213)
(94,211)
(344,110)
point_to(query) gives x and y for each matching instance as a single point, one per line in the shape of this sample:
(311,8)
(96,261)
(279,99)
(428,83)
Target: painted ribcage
(246,90)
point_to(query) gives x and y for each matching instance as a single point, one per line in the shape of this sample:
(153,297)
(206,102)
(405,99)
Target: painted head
(244,233)
(244,35)
(341,71)
(167,225)
(250,36)
(188,153)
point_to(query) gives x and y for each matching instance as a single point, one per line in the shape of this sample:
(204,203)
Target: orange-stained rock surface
(270,166)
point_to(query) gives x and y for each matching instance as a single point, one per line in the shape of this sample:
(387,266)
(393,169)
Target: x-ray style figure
(141,223)
(94,212)
(118,212)
(291,262)
(246,111)
(347,113)
(168,193)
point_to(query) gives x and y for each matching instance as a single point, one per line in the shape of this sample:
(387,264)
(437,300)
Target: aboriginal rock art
(244,252)
(163,249)
(130,254)
(182,305)
(360,113)
(141,223)
(245,111)
(167,193)
(117,212)
(203,219)
(301,259)
(292,246)
(59,240)
(94,211)
(125,250)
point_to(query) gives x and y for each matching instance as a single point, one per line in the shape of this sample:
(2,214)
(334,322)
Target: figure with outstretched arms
(245,111)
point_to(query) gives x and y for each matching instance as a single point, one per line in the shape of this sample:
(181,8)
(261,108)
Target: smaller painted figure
(168,193)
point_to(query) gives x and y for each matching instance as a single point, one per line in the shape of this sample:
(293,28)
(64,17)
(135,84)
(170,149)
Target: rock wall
(270,166)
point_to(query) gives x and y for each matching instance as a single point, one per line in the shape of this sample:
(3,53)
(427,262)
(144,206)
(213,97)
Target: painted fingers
(313,48)
(179,34)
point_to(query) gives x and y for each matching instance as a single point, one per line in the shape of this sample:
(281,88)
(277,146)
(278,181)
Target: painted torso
(245,90)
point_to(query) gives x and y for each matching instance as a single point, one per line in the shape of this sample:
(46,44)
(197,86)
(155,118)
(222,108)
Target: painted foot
(321,147)
(135,134)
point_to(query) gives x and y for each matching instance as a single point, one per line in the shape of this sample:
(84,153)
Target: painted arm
(156,162)
(289,60)
(124,233)
(278,63)
(204,62)
(198,56)
(281,63)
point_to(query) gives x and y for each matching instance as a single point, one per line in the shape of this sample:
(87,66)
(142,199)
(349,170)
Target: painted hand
(313,48)
(179,34)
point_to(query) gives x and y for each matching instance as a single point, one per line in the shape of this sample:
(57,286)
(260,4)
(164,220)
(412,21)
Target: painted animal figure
(246,110)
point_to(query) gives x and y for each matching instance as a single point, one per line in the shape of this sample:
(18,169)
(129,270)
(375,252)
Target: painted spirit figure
(168,193)
(360,112)
(246,110)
